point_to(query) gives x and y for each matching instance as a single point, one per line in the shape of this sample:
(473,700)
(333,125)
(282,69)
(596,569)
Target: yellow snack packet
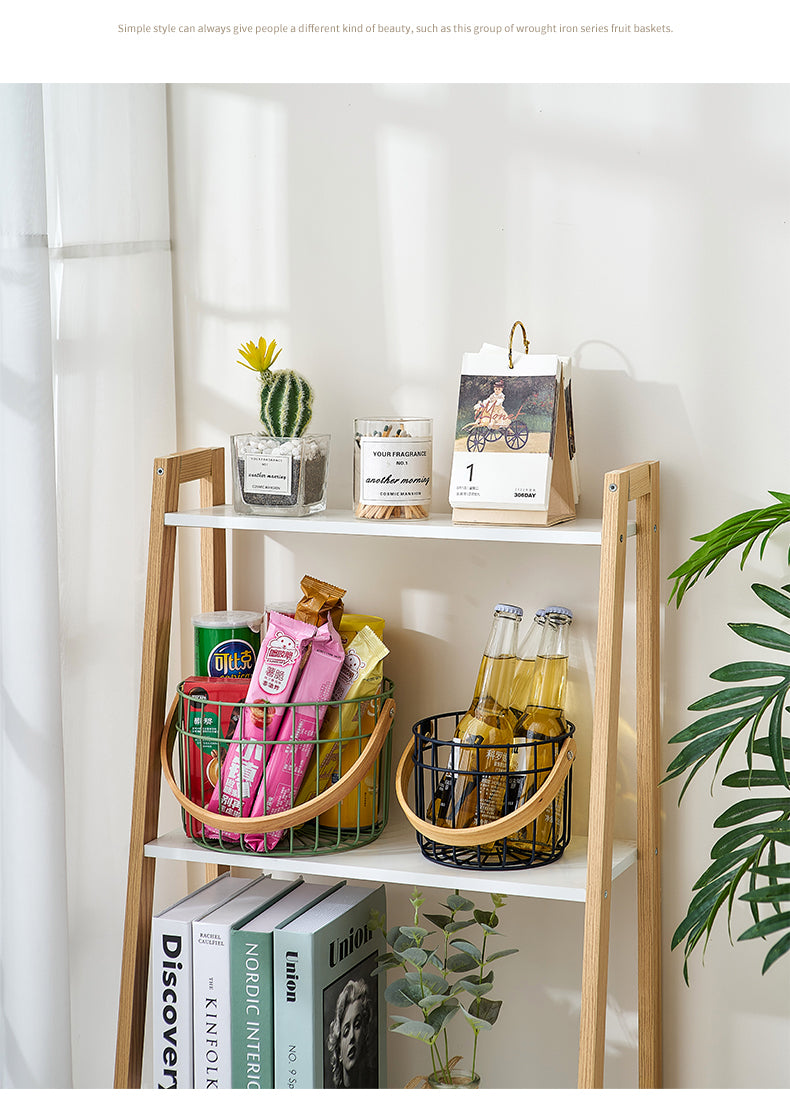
(360,675)
(351,624)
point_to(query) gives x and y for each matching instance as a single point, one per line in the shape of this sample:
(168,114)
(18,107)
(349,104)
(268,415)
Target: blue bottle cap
(509,609)
(557,610)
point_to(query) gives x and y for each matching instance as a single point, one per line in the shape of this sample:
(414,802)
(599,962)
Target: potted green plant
(749,860)
(279,470)
(445,974)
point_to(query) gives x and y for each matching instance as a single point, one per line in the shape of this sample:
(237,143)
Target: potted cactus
(279,470)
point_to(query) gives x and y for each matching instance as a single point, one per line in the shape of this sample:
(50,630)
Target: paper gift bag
(514,460)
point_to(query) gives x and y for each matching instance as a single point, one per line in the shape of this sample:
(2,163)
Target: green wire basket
(341,803)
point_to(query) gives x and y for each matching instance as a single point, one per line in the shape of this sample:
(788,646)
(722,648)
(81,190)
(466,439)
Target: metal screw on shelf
(160,470)
(612,487)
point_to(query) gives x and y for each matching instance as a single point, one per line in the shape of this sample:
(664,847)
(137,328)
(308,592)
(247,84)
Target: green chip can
(226,643)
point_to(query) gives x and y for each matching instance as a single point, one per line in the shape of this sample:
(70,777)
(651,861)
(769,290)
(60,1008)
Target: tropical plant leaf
(748,809)
(776,892)
(750,670)
(743,530)
(753,828)
(762,635)
(776,952)
(771,924)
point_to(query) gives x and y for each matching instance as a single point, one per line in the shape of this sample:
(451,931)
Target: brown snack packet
(320,600)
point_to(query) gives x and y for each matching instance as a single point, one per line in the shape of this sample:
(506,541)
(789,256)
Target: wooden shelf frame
(605,859)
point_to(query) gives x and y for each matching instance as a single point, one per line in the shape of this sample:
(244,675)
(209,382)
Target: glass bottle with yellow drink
(542,721)
(529,641)
(464,797)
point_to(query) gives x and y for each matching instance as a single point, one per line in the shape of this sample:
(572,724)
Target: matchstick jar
(392,468)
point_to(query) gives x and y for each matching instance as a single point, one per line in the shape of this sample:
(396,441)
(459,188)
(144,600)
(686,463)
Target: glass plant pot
(279,477)
(460,1079)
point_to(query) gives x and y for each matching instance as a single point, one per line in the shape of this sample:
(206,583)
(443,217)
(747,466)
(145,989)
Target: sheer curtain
(87,400)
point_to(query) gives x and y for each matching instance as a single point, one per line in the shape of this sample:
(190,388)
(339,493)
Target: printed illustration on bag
(497,414)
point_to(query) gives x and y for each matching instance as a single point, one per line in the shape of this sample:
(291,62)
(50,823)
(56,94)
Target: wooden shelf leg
(169,474)
(635,483)
(648,770)
(602,781)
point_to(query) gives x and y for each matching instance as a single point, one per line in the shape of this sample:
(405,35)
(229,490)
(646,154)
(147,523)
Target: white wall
(378,232)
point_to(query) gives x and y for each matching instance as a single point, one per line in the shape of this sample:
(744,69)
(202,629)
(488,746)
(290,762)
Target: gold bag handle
(295,816)
(501,827)
(517,325)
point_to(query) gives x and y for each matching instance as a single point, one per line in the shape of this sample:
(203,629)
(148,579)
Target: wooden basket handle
(489,831)
(295,816)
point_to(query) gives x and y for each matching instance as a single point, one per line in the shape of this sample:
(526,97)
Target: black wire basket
(486,807)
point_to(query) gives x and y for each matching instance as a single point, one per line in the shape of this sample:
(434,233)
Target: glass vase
(279,476)
(460,1078)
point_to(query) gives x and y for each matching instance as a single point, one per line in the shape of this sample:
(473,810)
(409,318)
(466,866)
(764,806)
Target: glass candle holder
(392,468)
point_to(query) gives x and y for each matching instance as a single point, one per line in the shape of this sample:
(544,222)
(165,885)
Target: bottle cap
(540,613)
(557,610)
(509,609)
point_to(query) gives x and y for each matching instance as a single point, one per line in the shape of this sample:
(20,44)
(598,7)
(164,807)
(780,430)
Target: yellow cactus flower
(259,357)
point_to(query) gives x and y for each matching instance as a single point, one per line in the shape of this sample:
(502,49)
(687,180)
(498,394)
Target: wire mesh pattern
(204,731)
(452,789)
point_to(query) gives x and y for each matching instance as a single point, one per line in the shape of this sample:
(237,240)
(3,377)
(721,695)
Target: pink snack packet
(279,663)
(296,740)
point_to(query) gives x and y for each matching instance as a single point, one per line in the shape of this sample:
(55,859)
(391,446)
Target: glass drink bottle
(543,720)
(464,797)
(525,663)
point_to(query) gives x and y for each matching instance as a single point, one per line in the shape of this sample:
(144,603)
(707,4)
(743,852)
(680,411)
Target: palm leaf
(743,530)
(756,828)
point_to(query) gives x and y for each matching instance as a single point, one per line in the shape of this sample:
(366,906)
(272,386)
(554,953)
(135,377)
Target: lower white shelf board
(395,857)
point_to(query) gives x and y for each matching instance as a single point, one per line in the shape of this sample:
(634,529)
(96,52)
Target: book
(329,1013)
(171,970)
(211,1044)
(251,990)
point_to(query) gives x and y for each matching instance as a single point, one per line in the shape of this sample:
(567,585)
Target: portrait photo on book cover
(351,1029)
(501,414)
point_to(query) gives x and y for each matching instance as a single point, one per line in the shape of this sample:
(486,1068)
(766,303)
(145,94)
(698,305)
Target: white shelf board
(396,858)
(581,532)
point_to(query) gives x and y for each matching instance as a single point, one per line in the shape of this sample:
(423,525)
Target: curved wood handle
(295,816)
(500,827)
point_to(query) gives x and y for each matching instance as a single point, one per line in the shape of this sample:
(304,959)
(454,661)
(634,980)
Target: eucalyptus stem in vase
(445,973)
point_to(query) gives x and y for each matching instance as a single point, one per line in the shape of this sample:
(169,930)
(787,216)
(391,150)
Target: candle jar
(392,468)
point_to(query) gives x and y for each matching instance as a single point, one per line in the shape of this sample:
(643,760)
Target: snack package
(290,756)
(352,722)
(319,602)
(211,712)
(280,659)
(351,624)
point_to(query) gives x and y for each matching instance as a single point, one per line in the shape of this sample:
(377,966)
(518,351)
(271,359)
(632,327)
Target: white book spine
(211,1006)
(172,1003)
